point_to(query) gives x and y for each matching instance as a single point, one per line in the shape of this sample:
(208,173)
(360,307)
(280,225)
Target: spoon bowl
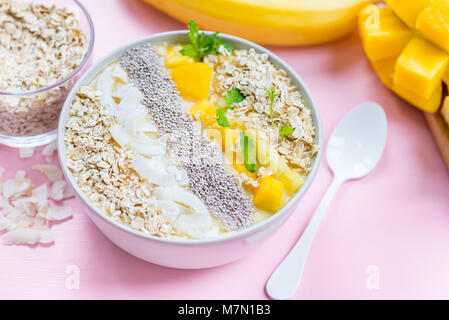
(356,145)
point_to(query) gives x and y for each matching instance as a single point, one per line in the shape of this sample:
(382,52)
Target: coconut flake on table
(28,236)
(52,172)
(59,213)
(26,212)
(49,151)
(61,191)
(25,153)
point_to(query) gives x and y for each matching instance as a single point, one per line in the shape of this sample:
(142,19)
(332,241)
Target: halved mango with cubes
(408,10)
(193,80)
(420,67)
(269,195)
(383,34)
(416,71)
(433,23)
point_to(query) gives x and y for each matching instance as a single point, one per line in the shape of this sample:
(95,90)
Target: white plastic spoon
(354,149)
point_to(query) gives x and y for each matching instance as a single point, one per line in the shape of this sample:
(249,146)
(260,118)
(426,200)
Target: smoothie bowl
(185,157)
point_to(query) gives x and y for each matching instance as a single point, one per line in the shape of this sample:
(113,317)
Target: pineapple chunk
(431,105)
(384,35)
(408,10)
(420,68)
(174,58)
(205,112)
(445,110)
(292,180)
(269,195)
(385,69)
(433,23)
(193,80)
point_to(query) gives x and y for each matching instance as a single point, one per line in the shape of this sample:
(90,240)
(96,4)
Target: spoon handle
(285,280)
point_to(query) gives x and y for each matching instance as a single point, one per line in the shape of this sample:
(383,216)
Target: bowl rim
(230,236)
(74,72)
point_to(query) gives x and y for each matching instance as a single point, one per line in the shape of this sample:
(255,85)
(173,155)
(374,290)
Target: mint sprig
(202,45)
(272,94)
(285,131)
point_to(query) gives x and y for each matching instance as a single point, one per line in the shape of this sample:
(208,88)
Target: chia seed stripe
(187,147)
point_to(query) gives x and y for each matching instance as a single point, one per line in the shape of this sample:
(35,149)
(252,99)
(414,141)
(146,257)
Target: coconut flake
(52,172)
(25,153)
(49,151)
(59,213)
(57,190)
(153,169)
(30,236)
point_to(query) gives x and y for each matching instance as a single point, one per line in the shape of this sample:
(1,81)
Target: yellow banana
(273,22)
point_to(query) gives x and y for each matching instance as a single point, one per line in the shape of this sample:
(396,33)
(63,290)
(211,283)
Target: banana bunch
(273,22)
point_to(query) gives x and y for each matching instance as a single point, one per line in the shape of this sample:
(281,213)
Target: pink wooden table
(386,236)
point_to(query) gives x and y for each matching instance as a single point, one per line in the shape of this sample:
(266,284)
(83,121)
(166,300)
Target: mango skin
(433,23)
(383,34)
(269,195)
(431,105)
(193,80)
(385,69)
(420,68)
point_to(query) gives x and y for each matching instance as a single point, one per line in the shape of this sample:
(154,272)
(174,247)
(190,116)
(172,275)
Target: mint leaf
(249,152)
(201,44)
(221,118)
(272,95)
(190,51)
(233,97)
(285,131)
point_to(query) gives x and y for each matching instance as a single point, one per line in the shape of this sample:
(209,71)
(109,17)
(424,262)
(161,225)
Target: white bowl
(198,253)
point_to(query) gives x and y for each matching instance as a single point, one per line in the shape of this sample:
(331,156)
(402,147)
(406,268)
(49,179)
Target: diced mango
(431,105)
(193,80)
(408,10)
(433,23)
(384,35)
(445,110)
(385,69)
(205,112)
(174,58)
(420,68)
(269,195)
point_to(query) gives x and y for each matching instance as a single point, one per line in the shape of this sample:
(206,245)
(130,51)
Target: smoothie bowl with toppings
(190,148)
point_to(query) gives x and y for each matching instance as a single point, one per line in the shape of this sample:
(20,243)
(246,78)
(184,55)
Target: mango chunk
(420,68)
(205,112)
(408,10)
(383,34)
(174,58)
(431,105)
(433,23)
(385,69)
(269,195)
(193,80)
(445,110)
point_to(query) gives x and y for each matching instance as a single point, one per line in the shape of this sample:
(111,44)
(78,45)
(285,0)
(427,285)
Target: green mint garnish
(201,44)
(249,152)
(272,95)
(285,131)
(233,97)
(221,118)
